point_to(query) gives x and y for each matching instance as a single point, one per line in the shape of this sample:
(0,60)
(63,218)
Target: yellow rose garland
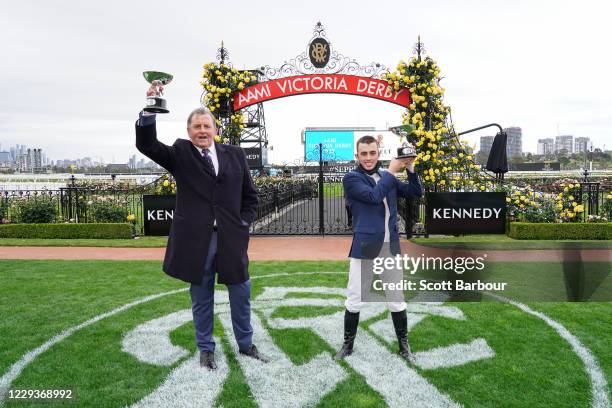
(220,82)
(445,164)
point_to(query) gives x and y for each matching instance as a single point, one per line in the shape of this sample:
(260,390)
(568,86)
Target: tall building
(582,144)
(485,144)
(86,162)
(546,146)
(564,144)
(34,160)
(5,157)
(132,162)
(21,164)
(515,141)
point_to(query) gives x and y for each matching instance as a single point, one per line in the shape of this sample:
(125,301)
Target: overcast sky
(71,71)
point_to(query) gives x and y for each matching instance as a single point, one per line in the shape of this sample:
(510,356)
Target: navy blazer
(230,198)
(365,198)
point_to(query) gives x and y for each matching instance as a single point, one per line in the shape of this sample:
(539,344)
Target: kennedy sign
(466,213)
(256,157)
(158,214)
(320,83)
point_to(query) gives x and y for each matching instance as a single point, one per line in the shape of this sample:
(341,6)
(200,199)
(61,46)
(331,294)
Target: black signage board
(158,214)
(465,213)
(254,159)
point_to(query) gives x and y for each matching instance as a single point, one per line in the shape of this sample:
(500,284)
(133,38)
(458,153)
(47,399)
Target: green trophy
(406,150)
(155,102)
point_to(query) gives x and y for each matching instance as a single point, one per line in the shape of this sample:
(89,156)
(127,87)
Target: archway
(237,99)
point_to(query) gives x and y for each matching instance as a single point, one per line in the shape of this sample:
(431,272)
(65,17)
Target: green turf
(331,190)
(533,366)
(141,242)
(503,242)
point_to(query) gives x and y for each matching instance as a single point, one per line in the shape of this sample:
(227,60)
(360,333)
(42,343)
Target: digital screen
(337,145)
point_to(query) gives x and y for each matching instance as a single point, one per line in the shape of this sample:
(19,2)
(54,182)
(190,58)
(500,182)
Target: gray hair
(201,111)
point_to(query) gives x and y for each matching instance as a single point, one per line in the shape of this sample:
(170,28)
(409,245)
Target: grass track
(533,366)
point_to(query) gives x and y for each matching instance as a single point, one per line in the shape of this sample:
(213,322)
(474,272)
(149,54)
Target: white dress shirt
(387,238)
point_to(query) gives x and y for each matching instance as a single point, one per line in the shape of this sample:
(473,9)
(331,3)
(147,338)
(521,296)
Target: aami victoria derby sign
(158,214)
(465,213)
(320,83)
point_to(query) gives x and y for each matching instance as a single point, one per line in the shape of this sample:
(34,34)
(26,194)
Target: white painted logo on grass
(280,383)
(382,369)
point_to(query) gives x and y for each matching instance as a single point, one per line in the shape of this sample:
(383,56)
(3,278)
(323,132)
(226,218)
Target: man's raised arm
(147,143)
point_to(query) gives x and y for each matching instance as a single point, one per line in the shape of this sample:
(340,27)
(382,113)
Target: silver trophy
(406,150)
(155,102)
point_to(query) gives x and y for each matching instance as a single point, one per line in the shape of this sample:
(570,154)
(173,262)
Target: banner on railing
(466,213)
(158,214)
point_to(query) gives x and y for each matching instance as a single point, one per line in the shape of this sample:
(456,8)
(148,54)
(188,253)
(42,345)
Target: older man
(215,204)
(371,194)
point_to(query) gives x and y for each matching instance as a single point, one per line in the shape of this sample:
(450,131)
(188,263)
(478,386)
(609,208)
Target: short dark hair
(367,139)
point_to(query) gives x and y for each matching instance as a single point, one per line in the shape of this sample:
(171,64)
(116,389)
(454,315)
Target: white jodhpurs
(354,301)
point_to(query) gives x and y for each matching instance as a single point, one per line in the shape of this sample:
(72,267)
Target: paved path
(293,248)
(302,217)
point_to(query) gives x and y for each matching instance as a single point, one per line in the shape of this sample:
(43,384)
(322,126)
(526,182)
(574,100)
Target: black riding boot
(351,320)
(400,322)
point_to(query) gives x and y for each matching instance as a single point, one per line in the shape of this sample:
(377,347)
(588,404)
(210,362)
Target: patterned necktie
(207,159)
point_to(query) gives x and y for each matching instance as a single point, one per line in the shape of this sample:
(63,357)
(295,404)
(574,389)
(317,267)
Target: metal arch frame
(254,134)
(338,63)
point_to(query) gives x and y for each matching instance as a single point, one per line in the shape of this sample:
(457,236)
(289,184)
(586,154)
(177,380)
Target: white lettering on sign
(256,93)
(371,86)
(398,93)
(362,85)
(320,83)
(160,215)
(309,84)
(463,213)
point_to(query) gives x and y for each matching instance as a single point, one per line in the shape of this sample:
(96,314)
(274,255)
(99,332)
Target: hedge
(582,230)
(65,231)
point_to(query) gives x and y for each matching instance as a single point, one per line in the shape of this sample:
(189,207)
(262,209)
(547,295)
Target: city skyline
(26,159)
(545,146)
